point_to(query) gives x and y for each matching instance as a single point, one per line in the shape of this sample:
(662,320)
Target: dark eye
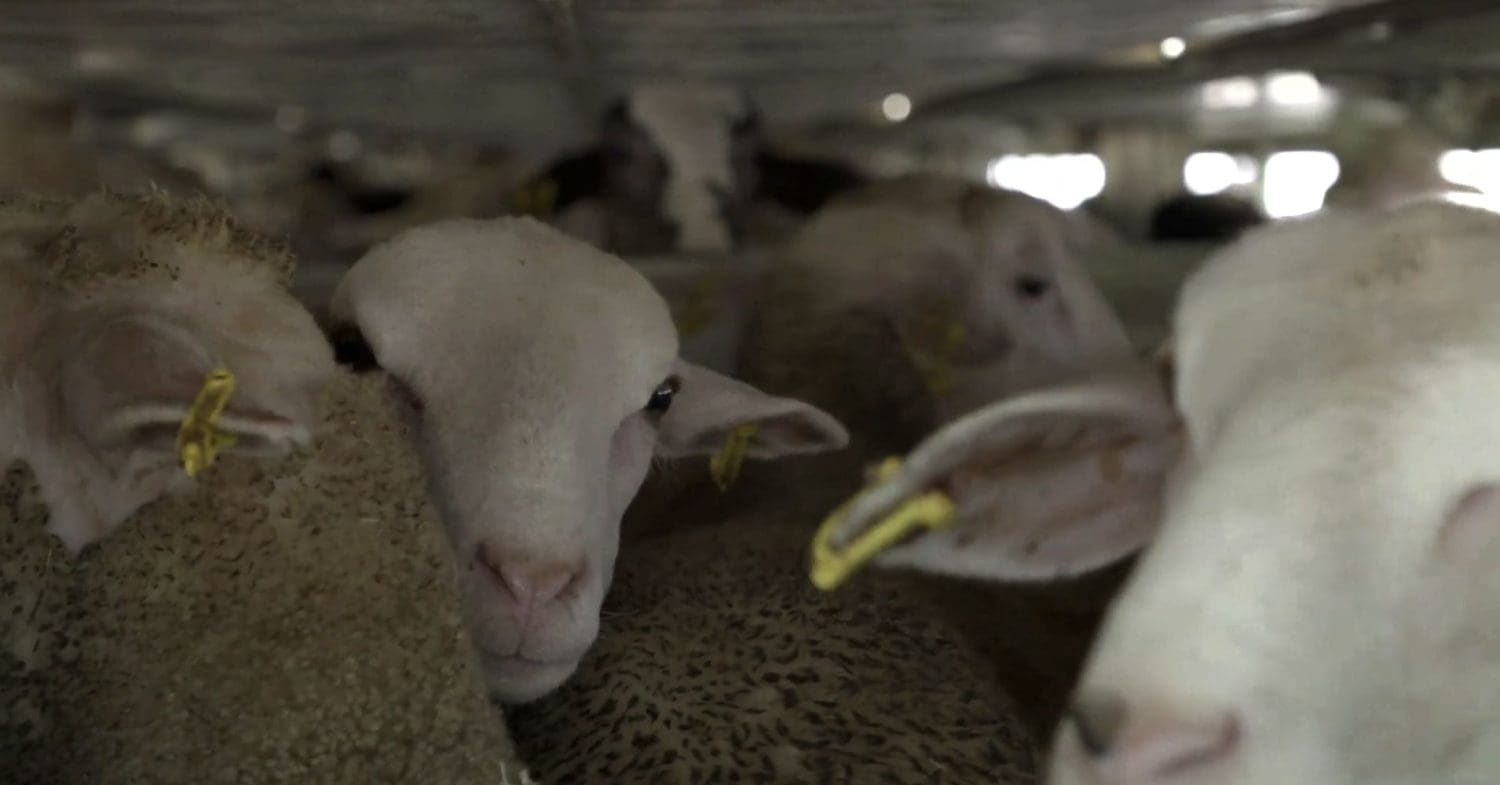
(661,400)
(1032,287)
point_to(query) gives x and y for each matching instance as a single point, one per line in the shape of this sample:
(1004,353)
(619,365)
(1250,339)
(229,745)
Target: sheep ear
(135,380)
(1051,483)
(709,406)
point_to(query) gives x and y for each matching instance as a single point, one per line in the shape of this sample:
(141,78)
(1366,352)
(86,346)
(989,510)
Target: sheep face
(1319,600)
(962,295)
(541,377)
(122,308)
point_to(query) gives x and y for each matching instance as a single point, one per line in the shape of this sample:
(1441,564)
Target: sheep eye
(1032,287)
(661,400)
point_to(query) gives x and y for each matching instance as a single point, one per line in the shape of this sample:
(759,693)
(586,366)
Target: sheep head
(541,377)
(118,307)
(1322,503)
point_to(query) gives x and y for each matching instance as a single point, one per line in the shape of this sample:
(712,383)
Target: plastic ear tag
(832,567)
(199,440)
(935,364)
(537,199)
(725,465)
(698,309)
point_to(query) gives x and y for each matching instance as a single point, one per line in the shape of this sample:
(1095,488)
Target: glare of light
(1173,48)
(1484,201)
(1236,92)
(1296,181)
(343,146)
(1294,88)
(291,118)
(896,107)
(1066,181)
(1215,172)
(1475,168)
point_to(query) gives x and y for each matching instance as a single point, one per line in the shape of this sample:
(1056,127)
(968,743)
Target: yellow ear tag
(935,365)
(199,440)
(831,568)
(537,199)
(725,465)
(698,309)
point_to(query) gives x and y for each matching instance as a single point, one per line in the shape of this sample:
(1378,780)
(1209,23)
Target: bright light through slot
(1236,92)
(1215,172)
(1296,182)
(896,107)
(1477,169)
(1294,88)
(1066,181)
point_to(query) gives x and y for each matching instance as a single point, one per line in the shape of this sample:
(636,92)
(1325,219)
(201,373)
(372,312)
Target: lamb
(290,616)
(901,306)
(1320,489)
(541,377)
(910,302)
(682,168)
(591,387)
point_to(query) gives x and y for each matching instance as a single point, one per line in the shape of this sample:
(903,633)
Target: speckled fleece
(720,663)
(108,237)
(289,621)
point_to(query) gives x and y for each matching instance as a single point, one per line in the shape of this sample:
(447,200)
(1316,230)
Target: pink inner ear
(1064,501)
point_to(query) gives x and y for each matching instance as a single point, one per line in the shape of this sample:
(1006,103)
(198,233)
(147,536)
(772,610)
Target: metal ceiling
(530,73)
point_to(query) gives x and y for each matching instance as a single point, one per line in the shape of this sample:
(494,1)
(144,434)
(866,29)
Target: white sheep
(541,376)
(907,303)
(291,616)
(1318,604)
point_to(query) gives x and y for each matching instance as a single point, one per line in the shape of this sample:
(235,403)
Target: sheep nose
(529,585)
(1121,744)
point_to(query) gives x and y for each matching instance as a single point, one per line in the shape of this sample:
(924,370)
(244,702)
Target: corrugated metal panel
(520,71)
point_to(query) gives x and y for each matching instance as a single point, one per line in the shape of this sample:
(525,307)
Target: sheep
(541,376)
(720,663)
(1319,492)
(903,305)
(290,616)
(899,307)
(685,168)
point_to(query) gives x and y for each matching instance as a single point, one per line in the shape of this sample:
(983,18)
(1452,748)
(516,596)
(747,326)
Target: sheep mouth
(519,666)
